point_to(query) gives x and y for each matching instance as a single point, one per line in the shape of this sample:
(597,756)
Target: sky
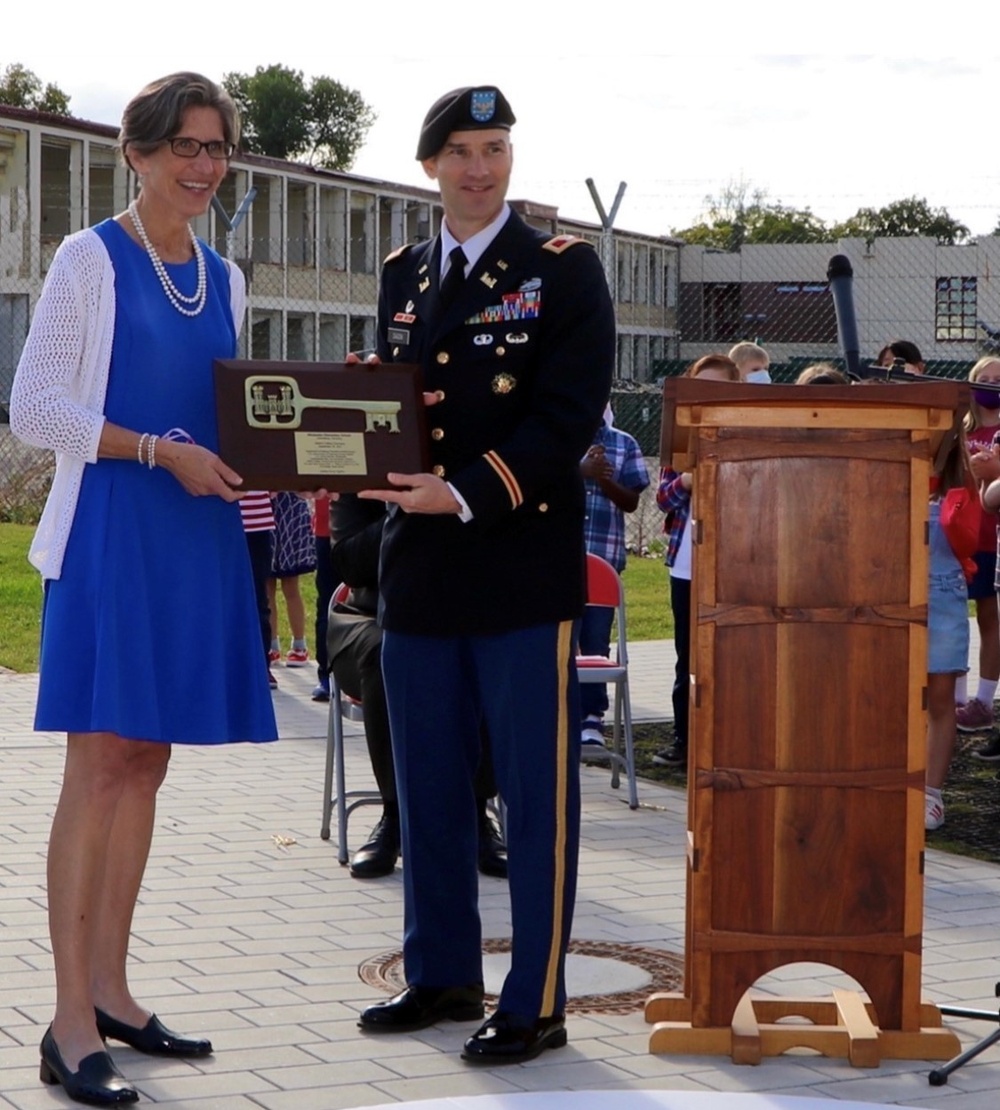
(675,105)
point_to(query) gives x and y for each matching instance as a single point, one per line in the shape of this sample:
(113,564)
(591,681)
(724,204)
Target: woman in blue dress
(141,530)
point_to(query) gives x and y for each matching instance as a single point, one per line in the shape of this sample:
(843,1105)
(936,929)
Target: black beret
(469,109)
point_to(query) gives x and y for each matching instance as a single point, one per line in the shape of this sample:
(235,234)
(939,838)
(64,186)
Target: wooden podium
(807,734)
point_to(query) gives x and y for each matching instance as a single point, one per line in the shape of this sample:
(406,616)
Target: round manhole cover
(602,977)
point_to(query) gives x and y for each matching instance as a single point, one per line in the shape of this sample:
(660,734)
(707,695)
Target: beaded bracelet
(142,443)
(151,452)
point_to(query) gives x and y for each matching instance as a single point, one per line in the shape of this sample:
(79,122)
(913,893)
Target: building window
(333,338)
(13,332)
(60,207)
(266,218)
(300,224)
(361,335)
(362,233)
(955,309)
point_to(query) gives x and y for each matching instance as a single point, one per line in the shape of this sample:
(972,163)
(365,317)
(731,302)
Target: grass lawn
(21,598)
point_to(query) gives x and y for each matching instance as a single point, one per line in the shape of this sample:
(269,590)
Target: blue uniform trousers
(523,685)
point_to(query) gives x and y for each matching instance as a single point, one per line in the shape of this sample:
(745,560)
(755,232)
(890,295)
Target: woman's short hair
(154,115)
(714,362)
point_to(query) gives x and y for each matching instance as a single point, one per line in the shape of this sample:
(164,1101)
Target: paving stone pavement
(257,941)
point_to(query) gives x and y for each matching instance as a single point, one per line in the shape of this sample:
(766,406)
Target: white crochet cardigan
(57,399)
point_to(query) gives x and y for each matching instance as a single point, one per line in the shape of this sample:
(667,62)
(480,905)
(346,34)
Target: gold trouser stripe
(505,474)
(563,648)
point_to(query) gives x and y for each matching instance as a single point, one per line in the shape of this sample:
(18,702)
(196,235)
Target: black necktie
(454,278)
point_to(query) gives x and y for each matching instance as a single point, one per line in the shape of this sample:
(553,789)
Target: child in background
(674,497)
(325,585)
(258,527)
(981,425)
(614,473)
(752,362)
(294,555)
(947,635)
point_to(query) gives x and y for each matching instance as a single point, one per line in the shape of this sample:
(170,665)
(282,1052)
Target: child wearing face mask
(753,363)
(982,423)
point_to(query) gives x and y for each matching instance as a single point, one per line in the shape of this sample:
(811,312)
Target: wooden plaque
(320,425)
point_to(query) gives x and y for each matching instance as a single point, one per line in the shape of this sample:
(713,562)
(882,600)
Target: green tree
(284,117)
(901,218)
(22,88)
(741,214)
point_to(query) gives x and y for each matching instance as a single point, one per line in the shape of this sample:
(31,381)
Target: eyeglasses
(191,148)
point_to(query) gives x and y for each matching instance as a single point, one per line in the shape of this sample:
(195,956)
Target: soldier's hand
(422,493)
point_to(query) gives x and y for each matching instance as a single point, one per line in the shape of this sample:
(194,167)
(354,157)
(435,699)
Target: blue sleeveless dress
(152,631)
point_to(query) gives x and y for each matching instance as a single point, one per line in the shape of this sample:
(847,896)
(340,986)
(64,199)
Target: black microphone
(841,279)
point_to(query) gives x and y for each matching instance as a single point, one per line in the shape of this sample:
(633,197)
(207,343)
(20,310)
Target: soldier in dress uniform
(483,576)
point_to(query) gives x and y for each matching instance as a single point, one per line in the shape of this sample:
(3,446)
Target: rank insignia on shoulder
(560,243)
(397,253)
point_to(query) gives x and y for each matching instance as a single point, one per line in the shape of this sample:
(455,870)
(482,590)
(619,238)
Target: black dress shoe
(418,1007)
(153,1038)
(96,1081)
(505,1040)
(492,851)
(378,857)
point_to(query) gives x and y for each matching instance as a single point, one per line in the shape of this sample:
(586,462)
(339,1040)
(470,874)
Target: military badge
(398,335)
(487,280)
(483,105)
(503,383)
(529,285)
(404,318)
(482,340)
(424,285)
(520,337)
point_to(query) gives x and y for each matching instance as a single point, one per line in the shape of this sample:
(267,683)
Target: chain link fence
(313,292)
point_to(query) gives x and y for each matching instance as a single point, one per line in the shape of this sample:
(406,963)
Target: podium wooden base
(841,1026)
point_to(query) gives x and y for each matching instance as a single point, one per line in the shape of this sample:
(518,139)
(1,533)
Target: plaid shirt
(675,501)
(604,528)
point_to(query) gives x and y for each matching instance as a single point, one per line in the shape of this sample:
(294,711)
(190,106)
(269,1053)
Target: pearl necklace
(188,306)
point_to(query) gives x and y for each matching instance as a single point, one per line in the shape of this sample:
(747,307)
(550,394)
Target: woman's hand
(200,471)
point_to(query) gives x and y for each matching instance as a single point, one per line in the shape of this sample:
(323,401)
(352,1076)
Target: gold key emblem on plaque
(282,406)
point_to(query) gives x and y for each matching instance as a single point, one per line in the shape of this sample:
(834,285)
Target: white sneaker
(933,812)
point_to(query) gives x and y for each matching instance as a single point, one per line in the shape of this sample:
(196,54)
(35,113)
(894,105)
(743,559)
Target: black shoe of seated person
(492,850)
(379,855)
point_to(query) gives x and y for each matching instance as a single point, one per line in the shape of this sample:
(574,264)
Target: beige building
(311,244)
(905,288)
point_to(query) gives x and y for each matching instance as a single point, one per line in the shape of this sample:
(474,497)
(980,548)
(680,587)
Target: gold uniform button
(501,350)
(443,357)
(439,394)
(437,433)
(543,507)
(438,471)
